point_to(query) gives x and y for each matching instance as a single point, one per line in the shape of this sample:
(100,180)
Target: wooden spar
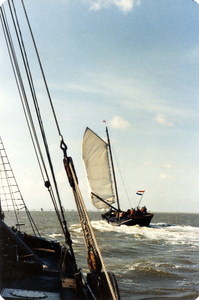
(104,201)
(114,178)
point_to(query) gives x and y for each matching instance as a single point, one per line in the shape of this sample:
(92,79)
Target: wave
(56,235)
(76,227)
(167,233)
(151,271)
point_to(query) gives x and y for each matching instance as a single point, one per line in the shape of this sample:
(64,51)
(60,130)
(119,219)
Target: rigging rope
(19,82)
(89,236)
(14,195)
(39,114)
(41,67)
(28,114)
(122,178)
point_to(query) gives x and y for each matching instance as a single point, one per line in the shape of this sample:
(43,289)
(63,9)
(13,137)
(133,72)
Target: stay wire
(30,81)
(15,65)
(24,100)
(64,223)
(41,125)
(18,78)
(9,41)
(122,178)
(39,115)
(41,67)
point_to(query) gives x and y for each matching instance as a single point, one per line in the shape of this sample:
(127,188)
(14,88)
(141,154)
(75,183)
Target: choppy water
(158,262)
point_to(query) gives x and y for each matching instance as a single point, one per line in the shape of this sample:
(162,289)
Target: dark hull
(29,263)
(38,268)
(143,220)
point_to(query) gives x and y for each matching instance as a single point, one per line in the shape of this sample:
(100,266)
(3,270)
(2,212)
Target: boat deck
(38,272)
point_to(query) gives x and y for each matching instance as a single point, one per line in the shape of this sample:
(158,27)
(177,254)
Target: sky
(134,64)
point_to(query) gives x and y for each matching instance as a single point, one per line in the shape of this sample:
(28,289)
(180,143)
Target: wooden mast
(114,178)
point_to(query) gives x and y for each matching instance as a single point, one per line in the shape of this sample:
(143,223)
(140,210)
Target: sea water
(156,262)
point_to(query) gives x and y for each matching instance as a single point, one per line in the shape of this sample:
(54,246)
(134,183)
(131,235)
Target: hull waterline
(128,221)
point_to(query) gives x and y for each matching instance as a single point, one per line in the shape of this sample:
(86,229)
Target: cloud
(165,176)
(161,119)
(118,123)
(129,93)
(167,166)
(123,5)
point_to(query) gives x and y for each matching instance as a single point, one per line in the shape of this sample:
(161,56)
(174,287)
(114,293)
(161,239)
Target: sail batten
(96,162)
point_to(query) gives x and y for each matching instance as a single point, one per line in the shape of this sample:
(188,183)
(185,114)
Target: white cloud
(130,94)
(95,6)
(119,123)
(161,119)
(123,5)
(165,176)
(167,166)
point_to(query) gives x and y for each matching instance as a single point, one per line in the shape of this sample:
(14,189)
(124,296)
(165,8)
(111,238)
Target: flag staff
(140,193)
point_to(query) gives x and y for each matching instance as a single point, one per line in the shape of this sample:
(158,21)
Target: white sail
(96,161)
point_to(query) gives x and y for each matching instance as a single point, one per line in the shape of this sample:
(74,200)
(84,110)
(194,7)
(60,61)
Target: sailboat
(98,162)
(31,266)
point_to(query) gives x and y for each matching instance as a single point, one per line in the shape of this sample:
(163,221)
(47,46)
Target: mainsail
(96,161)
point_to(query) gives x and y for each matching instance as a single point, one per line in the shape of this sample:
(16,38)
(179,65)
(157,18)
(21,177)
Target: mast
(95,154)
(114,178)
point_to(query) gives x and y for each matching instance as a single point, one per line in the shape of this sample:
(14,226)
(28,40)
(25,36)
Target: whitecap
(168,234)
(55,235)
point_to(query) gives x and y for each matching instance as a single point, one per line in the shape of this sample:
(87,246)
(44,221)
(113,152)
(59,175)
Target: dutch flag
(140,193)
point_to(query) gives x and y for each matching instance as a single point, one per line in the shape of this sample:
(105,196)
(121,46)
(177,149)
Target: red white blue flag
(140,193)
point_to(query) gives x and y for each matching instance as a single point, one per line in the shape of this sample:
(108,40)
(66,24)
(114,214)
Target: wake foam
(168,233)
